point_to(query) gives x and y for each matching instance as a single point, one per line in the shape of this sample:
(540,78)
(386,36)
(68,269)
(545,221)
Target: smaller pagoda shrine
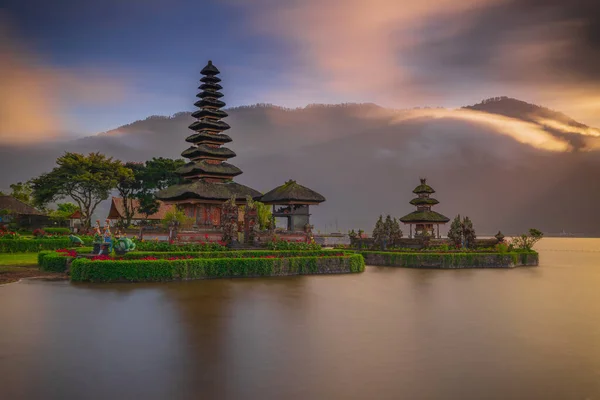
(423,218)
(294,201)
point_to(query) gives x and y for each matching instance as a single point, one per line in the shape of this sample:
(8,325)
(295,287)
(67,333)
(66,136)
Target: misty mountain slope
(366,160)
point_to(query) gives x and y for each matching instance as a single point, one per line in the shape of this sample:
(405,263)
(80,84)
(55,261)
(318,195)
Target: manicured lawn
(22,265)
(10,259)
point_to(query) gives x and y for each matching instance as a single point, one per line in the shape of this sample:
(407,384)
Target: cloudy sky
(79,67)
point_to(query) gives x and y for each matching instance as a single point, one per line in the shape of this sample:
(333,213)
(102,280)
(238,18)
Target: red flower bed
(67,252)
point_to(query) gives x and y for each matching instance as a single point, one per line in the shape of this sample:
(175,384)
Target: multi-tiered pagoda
(209,177)
(424,219)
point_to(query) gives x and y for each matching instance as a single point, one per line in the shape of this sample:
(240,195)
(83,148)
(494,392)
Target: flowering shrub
(67,252)
(101,257)
(278,244)
(39,233)
(4,234)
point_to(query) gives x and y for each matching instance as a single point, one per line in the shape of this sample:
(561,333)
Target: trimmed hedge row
(57,231)
(35,245)
(232,254)
(50,260)
(450,260)
(206,268)
(32,245)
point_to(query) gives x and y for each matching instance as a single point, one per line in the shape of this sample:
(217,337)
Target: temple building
(291,201)
(423,218)
(208,176)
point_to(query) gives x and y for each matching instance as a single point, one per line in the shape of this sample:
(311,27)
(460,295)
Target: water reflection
(386,334)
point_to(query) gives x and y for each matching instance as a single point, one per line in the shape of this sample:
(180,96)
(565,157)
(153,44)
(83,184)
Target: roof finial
(423,181)
(209,62)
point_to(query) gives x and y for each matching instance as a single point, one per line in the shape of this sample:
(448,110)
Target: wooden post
(410,234)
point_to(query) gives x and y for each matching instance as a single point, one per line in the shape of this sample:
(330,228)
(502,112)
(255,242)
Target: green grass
(15,259)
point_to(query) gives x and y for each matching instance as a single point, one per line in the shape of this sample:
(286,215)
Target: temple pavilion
(208,175)
(423,218)
(292,201)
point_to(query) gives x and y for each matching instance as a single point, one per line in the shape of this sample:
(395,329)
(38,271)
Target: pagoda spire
(207,155)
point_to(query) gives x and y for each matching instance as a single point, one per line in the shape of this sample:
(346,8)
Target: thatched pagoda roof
(292,192)
(17,206)
(210,69)
(424,201)
(425,217)
(208,137)
(207,151)
(423,188)
(202,167)
(203,190)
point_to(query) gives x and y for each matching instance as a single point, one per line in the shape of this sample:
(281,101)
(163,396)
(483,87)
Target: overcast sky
(80,67)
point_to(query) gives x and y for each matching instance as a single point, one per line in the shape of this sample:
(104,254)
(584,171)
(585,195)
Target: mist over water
(389,333)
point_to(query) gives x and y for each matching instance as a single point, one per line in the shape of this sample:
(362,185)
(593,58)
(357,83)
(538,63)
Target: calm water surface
(390,333)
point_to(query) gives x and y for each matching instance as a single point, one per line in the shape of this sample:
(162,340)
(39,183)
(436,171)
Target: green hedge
(450,260)
(205,268)
(52,261)
(152,245)
(231,254)
(57,231)
(32,245)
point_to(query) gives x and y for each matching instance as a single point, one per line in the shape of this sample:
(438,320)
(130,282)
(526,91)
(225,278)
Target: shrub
(527,241)
(165,246)
(285,245)
(32,245)
(202,268)
(58,231)
(136,255)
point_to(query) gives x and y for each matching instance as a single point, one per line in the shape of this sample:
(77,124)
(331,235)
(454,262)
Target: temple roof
(209,102)
(210,79)
(202,167)
(204,150)
(208,137)
(210,69)
(425,217)
(291,192)
(424,201)
(210,86)
(207,112)
(209,124)
(203,190)
(205,94)
(16,206)
(423,187)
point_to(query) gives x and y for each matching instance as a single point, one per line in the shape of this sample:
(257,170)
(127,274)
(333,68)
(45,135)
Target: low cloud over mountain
(507,164)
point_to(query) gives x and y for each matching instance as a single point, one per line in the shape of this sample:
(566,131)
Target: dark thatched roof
(208,137)
(209,112)
(208,102)
(424,201)
(426,217)
(207,191)
(291,192)
(202,167)
(210,125)
(204,150)
(210,69)
(423,187)
(17,206)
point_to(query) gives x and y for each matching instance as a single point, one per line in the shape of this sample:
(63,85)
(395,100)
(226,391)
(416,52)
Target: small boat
(565,234)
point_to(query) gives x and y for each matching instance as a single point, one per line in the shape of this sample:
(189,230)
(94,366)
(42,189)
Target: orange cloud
(366,50)
(34,96)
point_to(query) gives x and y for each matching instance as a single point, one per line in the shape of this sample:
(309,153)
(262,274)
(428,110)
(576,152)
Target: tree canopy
(87,180)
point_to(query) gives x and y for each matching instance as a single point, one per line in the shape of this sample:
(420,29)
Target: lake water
(389,333)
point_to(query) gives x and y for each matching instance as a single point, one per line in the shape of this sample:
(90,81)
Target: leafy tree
(87,180)
(379,231)
(263,213)
(160,173)
(527,241)
(63,211)
(2,193)
(455,232)
(22,191)
(176,215)
(129,186)
(468,233)
(396,232)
